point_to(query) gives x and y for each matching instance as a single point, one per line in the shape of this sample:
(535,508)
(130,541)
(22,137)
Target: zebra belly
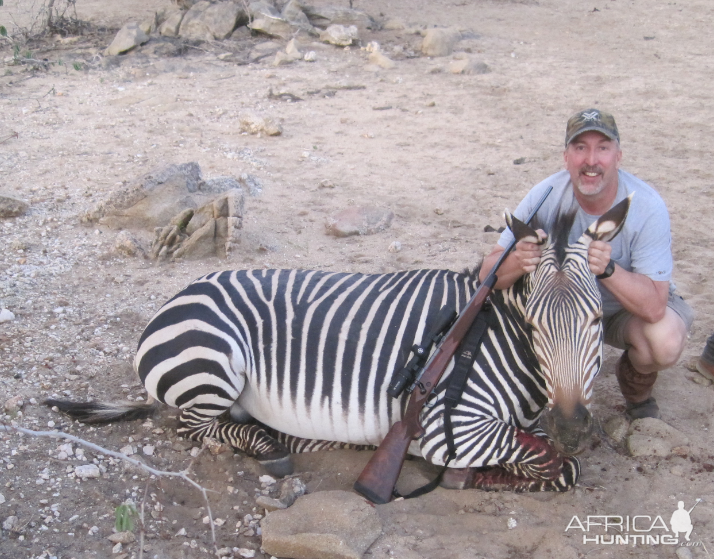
(319,422)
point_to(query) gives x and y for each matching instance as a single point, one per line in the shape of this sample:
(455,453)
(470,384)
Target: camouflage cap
(591,119)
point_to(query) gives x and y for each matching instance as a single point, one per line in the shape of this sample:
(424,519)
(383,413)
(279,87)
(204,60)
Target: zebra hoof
(280,467)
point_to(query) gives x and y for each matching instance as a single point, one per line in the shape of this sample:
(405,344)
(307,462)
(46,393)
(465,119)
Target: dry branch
(120,456)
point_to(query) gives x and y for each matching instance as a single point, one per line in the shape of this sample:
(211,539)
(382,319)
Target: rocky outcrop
(190,217)
(152,200)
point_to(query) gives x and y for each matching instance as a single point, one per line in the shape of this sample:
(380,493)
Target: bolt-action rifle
(379,477)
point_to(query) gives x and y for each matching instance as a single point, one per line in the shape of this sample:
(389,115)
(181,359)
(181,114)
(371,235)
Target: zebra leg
(510,477)
(535,466)
(297,445)
(249,438)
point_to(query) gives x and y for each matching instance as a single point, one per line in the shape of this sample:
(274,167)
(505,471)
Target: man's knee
(666,351)
(662,343)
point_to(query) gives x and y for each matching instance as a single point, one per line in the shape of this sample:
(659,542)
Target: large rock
(340,35)
(293,14)
(223,18)
(261,8)
(11,206)
(440,41)
(254,123)
(185,4)
(325,525)
(193,25)
(128,37)
(359,221)
(653,437)
(266,19)
(324,16)
(212,21)
(171,23)
(154,199)
(274,27)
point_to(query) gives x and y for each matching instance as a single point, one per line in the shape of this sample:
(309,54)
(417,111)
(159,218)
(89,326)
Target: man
(642,314)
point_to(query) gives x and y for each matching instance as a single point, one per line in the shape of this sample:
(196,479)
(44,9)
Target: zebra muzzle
(569,432)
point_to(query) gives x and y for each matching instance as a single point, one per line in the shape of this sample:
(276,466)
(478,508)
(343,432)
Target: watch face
(609,269)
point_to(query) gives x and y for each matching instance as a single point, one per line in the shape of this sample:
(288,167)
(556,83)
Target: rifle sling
(468,350)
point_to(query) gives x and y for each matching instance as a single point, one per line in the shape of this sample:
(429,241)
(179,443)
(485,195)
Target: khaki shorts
(615,324)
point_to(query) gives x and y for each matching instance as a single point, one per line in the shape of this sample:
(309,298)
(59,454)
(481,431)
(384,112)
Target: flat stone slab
(653,437)
(324,525)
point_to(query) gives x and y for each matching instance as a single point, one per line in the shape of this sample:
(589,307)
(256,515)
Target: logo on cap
(591,119)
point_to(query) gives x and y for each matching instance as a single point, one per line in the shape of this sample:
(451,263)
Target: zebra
(273,361)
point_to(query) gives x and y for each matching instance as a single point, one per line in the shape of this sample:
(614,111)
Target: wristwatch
(609,270)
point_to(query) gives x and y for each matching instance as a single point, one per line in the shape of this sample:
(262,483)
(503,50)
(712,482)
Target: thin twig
(129,459)
(6,138)
(141,519)
(37,99)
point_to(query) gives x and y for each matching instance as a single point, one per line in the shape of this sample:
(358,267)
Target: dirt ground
(439,149)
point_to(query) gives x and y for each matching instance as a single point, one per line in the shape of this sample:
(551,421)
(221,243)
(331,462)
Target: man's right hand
(523,259)
(527,252)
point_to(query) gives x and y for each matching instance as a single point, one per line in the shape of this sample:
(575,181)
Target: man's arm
(640,295)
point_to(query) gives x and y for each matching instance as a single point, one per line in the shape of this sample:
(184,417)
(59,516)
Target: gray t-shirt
(643,246)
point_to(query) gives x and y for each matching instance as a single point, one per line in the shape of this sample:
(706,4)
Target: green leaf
(0,2)
(3,31)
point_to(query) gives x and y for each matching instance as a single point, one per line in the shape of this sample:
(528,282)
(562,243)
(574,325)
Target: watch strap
(609,270)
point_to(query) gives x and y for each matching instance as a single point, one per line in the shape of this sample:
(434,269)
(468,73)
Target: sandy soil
(441,157)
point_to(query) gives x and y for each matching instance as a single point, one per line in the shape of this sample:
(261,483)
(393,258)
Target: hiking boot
(648,408)
(705,368)
(705,365)
(637,389)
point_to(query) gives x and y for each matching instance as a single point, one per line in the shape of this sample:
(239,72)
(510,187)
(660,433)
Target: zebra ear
(523,231)
(611,222)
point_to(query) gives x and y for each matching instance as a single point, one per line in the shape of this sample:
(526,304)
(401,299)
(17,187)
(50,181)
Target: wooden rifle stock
(379,476)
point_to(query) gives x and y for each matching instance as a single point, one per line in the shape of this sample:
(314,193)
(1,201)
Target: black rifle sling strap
(457,382)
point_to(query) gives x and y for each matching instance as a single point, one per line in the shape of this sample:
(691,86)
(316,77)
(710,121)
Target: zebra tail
(103,412)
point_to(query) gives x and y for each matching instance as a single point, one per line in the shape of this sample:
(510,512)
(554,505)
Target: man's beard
(591,189)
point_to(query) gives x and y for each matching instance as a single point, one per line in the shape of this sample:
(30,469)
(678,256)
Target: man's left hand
(599,256)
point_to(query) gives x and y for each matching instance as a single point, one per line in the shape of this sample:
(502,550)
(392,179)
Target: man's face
(592,159)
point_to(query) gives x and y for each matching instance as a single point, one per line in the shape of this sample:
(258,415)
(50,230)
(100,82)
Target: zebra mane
(472,273)
(559,232)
